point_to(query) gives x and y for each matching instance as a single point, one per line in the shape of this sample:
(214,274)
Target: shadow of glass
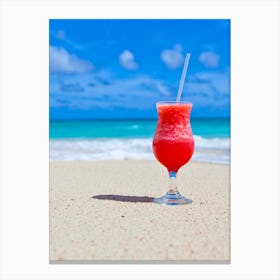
(124,198)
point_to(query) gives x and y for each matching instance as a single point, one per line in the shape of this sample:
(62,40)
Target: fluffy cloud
(104,89)
(211,89)
(60,35)
(209,59)
(127,60)
(72,87)
(86,91)
(173,58)
(64,62)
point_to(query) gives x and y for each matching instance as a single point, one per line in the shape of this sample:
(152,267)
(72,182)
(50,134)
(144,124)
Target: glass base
(172,199)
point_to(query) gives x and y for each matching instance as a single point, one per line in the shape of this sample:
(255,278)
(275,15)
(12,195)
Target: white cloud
(208,88)
(60,35)
(209,59)
(178,48)
(163,89)
(127,60)
(62,61)
(126,93)
(173,58)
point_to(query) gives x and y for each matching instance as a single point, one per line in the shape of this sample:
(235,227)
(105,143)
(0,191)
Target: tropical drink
(173,144)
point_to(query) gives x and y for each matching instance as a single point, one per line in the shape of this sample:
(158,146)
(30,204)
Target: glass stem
(172,183)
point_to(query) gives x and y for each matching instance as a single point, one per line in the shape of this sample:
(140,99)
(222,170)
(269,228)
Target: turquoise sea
(131,139)
(131,128)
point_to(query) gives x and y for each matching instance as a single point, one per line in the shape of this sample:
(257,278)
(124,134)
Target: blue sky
(120,68)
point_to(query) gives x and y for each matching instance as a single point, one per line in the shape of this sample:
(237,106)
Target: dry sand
(122,224)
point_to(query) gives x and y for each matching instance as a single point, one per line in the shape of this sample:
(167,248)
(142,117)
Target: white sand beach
(103,211)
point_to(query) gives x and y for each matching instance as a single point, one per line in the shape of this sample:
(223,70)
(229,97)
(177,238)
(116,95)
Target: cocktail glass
(173,145)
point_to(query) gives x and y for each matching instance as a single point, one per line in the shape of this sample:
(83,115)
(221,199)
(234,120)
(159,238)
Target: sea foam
(215,150)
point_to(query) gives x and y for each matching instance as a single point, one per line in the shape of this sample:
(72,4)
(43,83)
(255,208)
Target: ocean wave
(215,150)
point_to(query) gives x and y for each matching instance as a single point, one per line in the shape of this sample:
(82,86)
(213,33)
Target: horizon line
(129,119)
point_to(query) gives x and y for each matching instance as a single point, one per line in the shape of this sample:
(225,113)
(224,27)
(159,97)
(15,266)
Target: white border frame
(24,137)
